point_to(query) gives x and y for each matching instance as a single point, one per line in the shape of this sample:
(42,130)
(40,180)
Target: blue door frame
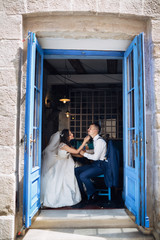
(141,217)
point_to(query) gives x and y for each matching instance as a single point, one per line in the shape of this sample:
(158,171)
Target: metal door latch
(31,141)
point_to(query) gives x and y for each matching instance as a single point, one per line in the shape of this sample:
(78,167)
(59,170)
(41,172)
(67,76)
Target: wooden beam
(77,65)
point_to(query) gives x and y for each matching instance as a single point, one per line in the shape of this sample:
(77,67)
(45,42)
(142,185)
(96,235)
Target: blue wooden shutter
(33,130)
(134,131)
(144,220)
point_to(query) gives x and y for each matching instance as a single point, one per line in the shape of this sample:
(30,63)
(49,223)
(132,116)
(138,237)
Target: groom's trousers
(86,172)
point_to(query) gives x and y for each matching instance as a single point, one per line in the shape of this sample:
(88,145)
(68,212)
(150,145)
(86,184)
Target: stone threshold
(105,218)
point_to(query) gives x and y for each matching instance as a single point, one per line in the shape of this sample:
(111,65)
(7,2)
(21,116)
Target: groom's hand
(87,138)
(82,152)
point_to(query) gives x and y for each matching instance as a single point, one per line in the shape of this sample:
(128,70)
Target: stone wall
(79,18)
(155,33)
(10,43)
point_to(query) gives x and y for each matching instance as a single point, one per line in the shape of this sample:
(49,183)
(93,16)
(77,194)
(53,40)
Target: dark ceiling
(83,71)
(82,66)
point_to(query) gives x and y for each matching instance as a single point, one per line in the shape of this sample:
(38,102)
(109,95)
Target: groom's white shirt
(100,149)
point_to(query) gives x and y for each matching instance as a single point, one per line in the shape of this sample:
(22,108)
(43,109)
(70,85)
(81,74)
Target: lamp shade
(64,99)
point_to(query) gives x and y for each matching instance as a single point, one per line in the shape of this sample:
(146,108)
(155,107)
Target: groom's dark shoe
(93,198)
(84,197)
(81,204)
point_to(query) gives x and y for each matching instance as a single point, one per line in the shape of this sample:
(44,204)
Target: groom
(96,168)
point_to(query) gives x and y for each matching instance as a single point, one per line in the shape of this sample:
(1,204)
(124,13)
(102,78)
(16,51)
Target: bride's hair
(64,137)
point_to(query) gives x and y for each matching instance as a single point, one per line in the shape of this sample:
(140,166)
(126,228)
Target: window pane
(131,122)
(131,148)
(101,106)
(130,73)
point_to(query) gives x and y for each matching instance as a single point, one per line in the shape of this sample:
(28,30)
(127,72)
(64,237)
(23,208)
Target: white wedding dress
(59,186)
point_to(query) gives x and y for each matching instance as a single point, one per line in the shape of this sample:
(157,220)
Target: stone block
(8,101)
(7,194)
(156,80)
(8,77)
(110,6)
(48,5)
(156,50)
(11,26)
(157,121)
(7,227)
(84,5)
(58,5)
(84,27)
(14,7)
(1,5)
(156,65)
(156,147)
(36,6)
(7,130)
(7,159)
(157,211)
(9,53)
(157,182)
(1,23)
(151,8)
(155,30)
(157,99)
(133,7)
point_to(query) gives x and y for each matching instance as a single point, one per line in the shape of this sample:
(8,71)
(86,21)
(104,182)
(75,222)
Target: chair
(104,191)
(114,156)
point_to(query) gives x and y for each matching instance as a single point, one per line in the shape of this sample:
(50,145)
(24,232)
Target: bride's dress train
(58,182)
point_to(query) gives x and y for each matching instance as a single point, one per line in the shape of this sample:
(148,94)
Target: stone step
(86,234)
(105,218)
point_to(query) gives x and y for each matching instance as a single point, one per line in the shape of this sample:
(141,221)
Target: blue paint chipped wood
(134,131)
(33,130)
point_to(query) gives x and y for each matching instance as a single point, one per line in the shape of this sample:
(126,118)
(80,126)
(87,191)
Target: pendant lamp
(65,99)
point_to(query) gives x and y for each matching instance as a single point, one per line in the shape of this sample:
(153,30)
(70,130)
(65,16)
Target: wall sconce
(67,114)
(47,102)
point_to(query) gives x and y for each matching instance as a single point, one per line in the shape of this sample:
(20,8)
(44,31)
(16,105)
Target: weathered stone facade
(115,19)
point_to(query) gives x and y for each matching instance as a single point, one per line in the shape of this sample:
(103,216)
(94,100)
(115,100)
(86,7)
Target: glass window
(101,106)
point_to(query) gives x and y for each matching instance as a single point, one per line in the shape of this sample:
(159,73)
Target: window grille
(101,105)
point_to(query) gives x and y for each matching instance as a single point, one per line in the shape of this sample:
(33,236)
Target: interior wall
(54,117)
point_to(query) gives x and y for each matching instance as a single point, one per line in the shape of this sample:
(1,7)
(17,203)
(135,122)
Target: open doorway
(94,87)
(134,147)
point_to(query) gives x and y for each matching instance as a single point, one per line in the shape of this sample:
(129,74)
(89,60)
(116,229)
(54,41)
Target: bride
(58,183)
